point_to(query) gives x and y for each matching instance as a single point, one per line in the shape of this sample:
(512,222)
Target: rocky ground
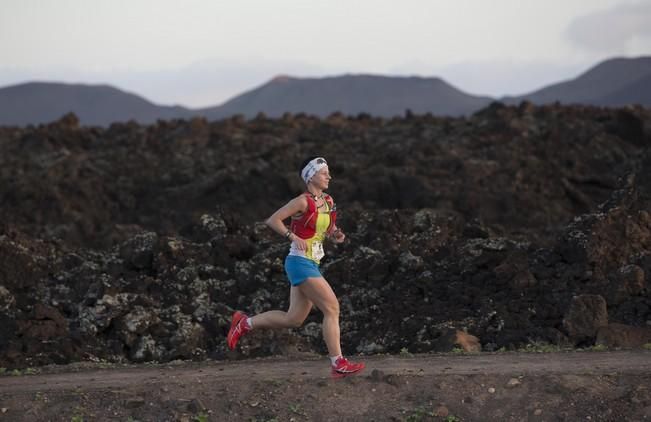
(570,386)
(518,226)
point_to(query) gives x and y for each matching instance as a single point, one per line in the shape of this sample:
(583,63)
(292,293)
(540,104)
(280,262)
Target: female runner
(313,216)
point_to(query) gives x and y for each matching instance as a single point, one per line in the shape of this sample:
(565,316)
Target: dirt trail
(270,369)
(505,386)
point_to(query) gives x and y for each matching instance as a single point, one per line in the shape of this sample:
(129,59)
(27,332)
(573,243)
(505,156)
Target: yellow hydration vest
(314,249)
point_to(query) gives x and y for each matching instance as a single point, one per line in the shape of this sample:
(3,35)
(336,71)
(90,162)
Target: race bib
(317,251)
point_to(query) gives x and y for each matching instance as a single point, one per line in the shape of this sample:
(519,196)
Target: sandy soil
(570,386)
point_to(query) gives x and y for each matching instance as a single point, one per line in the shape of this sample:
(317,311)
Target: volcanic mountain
(42,102)
(612,83)
(381,96)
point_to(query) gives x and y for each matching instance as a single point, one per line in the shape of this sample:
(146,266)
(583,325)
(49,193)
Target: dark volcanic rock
(623,336)
(586,315)
(138,242)
(522,171)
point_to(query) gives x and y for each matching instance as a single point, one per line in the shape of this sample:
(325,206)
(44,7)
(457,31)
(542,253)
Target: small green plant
(77,414)
(540,347)
(201,417)
(458,350)
(404,351)
(599,348)
(418,415)
(19,372)
(297,409)
(647,346)
(276,383)
(452,418)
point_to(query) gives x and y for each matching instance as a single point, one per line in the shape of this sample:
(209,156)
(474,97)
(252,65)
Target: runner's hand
(338,236)
(301,244)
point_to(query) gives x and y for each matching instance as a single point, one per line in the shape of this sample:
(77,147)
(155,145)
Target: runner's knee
(330,308)
(294,322)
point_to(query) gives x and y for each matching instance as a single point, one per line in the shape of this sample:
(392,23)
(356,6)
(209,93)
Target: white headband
(312,168)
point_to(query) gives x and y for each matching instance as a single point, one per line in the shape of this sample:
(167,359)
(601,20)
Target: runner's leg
(299,307)
(318,291)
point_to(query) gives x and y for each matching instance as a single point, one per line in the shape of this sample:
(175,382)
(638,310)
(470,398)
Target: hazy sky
(202,52)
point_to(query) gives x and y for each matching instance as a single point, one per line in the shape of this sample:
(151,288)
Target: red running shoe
(239,327)
(342,368)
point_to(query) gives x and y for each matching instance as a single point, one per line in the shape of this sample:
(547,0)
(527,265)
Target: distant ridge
(41,102)
(612,83)
(351,94)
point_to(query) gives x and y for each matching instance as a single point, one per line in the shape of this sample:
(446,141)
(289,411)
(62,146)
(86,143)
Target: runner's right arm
(293,207)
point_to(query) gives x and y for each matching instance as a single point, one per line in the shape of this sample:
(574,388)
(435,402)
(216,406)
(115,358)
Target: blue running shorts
(298,269)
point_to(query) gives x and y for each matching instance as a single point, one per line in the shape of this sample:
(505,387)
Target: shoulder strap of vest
(311,203)
(333,213)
